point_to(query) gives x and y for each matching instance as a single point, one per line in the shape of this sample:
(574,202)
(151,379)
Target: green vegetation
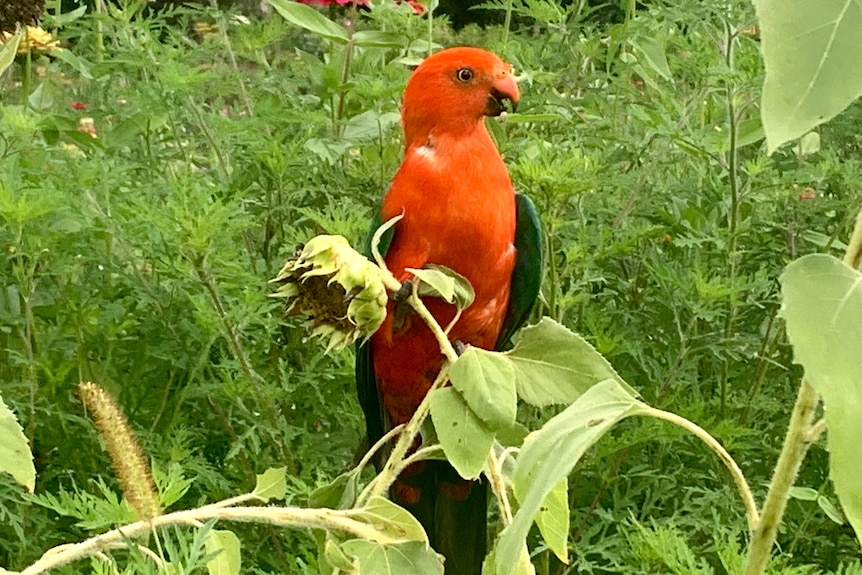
(157,171)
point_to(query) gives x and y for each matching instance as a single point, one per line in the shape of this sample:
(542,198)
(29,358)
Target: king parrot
(460,211)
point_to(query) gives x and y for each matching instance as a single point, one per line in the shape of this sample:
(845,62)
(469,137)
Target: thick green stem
(801,433)
(338,520)
(390,470)
(795,447)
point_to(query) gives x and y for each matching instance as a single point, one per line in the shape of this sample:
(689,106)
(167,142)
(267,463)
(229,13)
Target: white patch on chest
(427,153)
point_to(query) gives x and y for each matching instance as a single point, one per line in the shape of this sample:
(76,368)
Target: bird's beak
(504,88)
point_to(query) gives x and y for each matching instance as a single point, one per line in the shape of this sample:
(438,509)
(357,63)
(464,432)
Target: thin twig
(718,449)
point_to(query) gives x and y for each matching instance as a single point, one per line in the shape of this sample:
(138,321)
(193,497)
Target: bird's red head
(451,91)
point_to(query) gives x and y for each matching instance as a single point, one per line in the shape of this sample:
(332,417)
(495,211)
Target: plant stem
(795,447)
(222,26)
(100,32)
(801,433)
(853,254)
(733,216)
(389,473)
(507,23)
(338,520)
(716,447)
(345,71)
(498,486)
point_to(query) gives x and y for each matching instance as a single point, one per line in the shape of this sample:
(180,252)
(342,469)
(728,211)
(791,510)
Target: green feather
(527,275)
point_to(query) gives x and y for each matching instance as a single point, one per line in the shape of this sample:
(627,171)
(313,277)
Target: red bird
(460,211)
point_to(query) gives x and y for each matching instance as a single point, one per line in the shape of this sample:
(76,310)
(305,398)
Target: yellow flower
(36,40)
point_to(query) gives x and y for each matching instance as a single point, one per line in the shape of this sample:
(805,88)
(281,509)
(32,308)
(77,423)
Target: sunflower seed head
(340,291)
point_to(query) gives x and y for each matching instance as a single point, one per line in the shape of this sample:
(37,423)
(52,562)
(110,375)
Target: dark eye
(464,74)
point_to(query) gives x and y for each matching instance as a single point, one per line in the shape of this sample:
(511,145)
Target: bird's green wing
(366,382)
(527,274)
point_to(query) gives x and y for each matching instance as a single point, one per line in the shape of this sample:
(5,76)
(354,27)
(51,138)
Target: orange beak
(504,88)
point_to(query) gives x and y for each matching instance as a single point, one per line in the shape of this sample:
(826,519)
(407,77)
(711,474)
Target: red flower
(328,2)
(76,105)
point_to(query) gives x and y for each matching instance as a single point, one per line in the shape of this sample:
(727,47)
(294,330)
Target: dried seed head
(129,464)
(342,293)
(23,12)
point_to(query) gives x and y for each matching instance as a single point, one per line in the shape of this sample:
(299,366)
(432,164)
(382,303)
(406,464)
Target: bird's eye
(464,74)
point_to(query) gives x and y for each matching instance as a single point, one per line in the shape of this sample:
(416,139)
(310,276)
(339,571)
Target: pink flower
(80,106)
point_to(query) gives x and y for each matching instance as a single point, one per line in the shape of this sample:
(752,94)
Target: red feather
(459,211)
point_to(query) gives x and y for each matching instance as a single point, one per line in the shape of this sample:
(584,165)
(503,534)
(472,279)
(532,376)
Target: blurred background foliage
(156,172)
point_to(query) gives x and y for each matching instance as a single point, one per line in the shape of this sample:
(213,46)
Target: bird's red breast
(458,204)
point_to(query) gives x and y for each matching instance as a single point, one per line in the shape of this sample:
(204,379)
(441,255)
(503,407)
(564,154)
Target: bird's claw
(460,347)
(402,308)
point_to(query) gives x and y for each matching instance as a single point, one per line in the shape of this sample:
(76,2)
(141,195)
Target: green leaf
(63,19)
(523,567)
(228,560)
(336,557)
(465,439)
(389,518)
(440,281)
(803,493)
(822,306)
(272,484)
(554,365)
(830,510)
(749,132)
(42,97)
(8,49)
(339,494)
(72,59)
(549,455)
(552,520)
(809,144)
(654,54)
(15,456)
(379,39)
(369,124)
(414,558)
(810,51)
(310,19)
(486,380)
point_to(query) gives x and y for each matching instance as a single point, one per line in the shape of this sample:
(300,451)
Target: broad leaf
(523,567)
(310,19)
(335,558)
(226,544)
(271,484)
(654,54)
(379,39)
(15,456)
(811,50)
(549,455)
(486,380)
(553,520)
(338,494)
(390,519)
(440,281)
(823,309)
(465,439)
(8,49)
(413,558)
(554,365)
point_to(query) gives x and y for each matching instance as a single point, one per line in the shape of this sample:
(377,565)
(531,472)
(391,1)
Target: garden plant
(683,401)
